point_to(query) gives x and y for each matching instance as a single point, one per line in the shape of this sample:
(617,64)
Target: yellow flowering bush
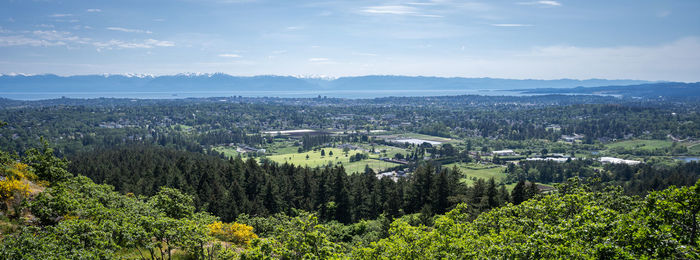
(232,232)
(19,171)
(13,183)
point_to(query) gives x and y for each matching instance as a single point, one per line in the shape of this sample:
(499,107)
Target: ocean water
(281,94)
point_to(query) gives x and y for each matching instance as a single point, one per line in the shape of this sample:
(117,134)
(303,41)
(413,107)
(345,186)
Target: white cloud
(319,59)
(364,54)
(552,3)
(60,15)
(678,60)
(93,10)
(544,3)
(19,40)
(294,28)
(146,44)
(121,29)
(42,39)
(158,43)
(390,9)
(47,38)
(402,10)
(229,55)
(511,25)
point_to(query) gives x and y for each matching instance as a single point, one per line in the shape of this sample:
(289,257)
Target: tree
(341,197)
(323,152)
(518,195)
(173,203)
(46,165)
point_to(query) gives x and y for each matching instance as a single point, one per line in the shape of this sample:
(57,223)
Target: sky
(520,39)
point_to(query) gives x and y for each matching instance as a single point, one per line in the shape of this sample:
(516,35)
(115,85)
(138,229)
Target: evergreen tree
(341,198)
(519,194)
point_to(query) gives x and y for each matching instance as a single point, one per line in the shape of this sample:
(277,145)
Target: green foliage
(47,166)
(173,203)
(79,219)
(576,224)
(304,239)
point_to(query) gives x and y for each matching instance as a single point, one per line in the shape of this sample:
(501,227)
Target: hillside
(653,90)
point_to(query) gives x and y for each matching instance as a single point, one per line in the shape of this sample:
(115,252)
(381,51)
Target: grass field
(390,151)
(479,171)
(228,151)
(694,149)
(315,160)
(641,144)
(429,138)
(376,165)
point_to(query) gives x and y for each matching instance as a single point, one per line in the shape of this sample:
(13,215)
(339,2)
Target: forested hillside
(50,214)
(228,188)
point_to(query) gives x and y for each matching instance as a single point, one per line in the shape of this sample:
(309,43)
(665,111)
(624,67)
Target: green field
(228,151)
(694,149)
(376,165)
(429,138)
(641,144)
(281,147)
(390,151)
(315,160)
(479,171)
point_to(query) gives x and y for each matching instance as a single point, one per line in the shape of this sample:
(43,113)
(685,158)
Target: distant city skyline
(627,39)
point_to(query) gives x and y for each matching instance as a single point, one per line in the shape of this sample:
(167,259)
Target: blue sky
(625,39)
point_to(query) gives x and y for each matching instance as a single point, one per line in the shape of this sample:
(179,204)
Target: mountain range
(224,82)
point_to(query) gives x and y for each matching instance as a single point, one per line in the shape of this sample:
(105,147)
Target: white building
(504,152)
(618,160)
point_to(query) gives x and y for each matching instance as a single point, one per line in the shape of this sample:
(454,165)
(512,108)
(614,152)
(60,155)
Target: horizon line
(322,77)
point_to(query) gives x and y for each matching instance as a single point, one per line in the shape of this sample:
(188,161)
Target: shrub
(236,233)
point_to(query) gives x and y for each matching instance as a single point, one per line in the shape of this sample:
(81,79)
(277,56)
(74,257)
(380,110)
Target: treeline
(636,179)
(221,136)
(311,141)
(228,188)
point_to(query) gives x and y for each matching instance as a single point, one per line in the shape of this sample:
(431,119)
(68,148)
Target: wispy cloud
(121,29)
(542,3)
(364,54)
(48,38)
(390,9)
(294,28)
(60,15)
(93,10)
(43,39)
(229,55)
(511,25)
(410,9)
(145,44)
(319,60)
